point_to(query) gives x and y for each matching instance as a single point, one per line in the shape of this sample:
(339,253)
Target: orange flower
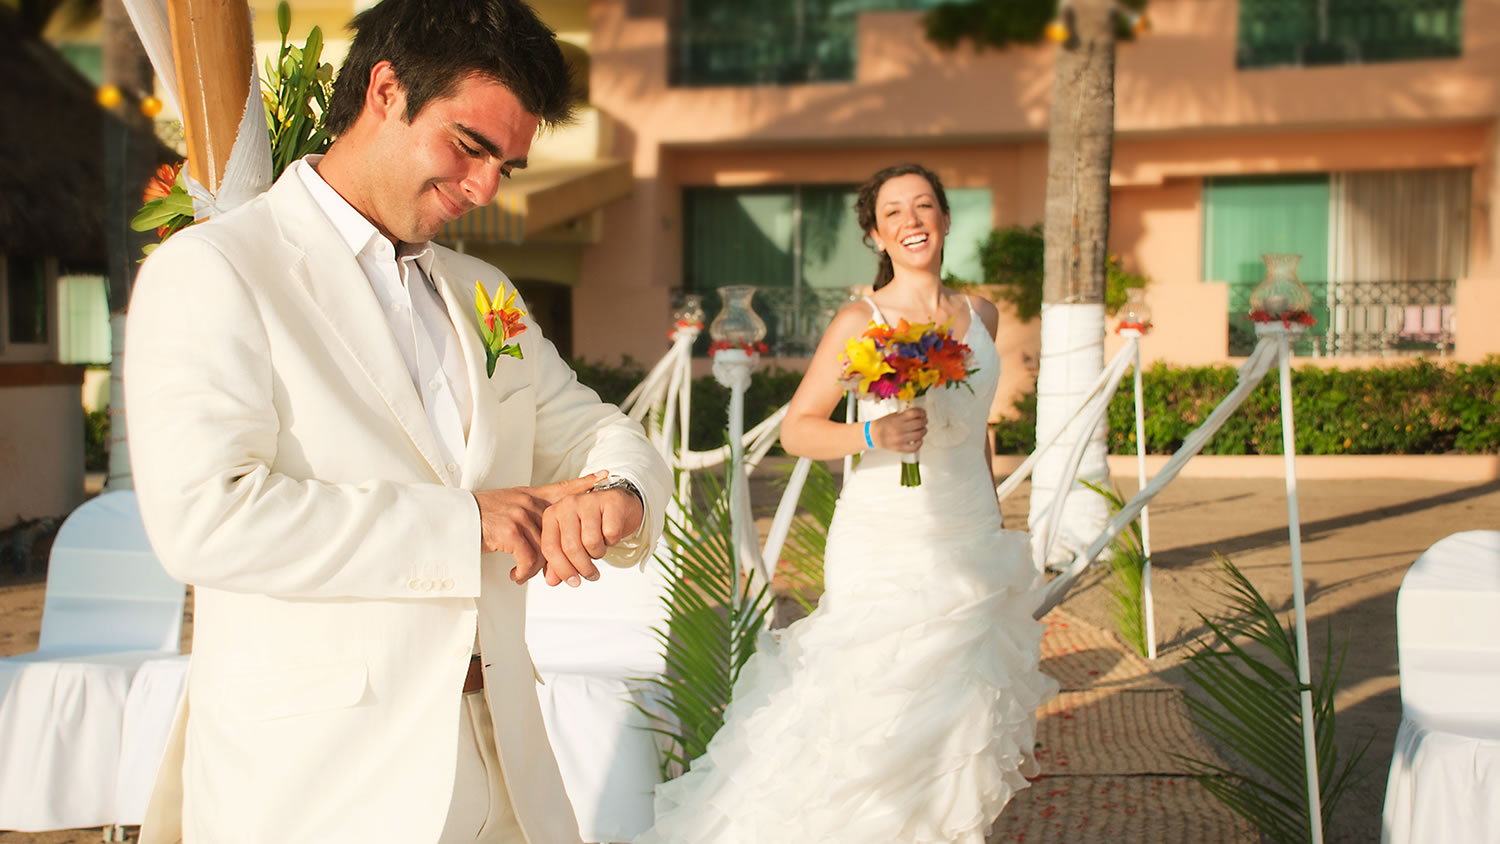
(161,182)
(949,360)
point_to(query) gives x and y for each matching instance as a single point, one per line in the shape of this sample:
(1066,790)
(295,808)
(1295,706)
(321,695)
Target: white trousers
(481,808)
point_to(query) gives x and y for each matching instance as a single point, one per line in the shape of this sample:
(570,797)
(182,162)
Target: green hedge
(1420,408)
(769,389)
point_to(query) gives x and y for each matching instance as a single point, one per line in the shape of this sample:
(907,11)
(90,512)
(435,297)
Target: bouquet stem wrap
(911,465)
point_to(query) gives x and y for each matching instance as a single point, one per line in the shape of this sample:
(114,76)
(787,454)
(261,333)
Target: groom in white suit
(319,451)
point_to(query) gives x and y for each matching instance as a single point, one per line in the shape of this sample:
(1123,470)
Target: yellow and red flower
(499,323)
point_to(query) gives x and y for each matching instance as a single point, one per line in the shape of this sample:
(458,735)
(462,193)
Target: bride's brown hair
(864,208)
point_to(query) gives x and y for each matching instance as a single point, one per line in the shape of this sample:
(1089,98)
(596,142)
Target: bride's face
(909,223)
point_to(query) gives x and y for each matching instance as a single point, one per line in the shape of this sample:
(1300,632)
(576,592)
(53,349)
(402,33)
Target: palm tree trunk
(127,166)
(1080,148)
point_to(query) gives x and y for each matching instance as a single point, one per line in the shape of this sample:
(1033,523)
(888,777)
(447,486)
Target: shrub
(1420,408)
(96,440)
(1013,260)
(769,389)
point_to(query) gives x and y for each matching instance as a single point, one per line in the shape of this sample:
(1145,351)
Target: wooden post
(211,43)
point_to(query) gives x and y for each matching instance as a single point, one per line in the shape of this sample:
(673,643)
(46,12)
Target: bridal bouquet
(904,363)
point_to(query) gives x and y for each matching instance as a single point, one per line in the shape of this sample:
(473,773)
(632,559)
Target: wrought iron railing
(1360,318)
(1390,317)
(1324,32)
(795,317)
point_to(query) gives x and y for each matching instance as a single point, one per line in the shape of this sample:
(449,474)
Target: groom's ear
(385,96)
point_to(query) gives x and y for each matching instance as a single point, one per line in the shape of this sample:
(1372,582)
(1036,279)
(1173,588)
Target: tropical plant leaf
(807,540)
(715,616)
(1245,668)
(1127,576)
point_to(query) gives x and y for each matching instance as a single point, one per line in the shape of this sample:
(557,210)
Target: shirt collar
(355,230)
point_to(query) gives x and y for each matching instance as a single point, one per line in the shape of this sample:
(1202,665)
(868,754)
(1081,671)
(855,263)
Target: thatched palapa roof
(52,187)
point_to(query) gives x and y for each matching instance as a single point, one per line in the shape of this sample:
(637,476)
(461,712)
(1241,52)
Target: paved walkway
(1106,739)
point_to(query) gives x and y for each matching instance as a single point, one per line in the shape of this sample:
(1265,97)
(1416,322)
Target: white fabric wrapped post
(592,648)
(1072,358)
(1445,771)
(109,608)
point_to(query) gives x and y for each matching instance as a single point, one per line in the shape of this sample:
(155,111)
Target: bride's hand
(902,431)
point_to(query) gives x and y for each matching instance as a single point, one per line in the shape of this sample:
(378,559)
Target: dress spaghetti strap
(876,315)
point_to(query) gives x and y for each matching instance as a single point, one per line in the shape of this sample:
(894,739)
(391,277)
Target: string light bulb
(1138,22)
(151,106)
(1057,32)
(108,96)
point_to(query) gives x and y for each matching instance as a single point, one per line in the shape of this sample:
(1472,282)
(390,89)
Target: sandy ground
(1359,537)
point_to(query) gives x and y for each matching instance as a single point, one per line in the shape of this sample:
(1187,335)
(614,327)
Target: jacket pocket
(290,692)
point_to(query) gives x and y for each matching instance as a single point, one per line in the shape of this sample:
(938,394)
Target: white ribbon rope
(1093,411)
(1023,471)
(1250,374)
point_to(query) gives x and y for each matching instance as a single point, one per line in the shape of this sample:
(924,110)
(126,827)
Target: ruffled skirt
(901,711)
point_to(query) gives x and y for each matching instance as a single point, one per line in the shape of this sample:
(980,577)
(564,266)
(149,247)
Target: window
(83,334)
(1381,253)
(1245,218)
(732,42)
(26,299)
(803,248)
(1324,32)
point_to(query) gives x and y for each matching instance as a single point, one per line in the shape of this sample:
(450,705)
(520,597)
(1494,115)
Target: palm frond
(1127,580)
(807,539)
(1250,702)
(709,635)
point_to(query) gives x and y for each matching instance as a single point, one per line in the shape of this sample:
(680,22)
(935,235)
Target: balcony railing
(1390,317)
(795,317)
(1328,32)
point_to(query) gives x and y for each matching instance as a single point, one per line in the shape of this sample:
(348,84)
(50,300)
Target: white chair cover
(109,607)
(592,646)
(1444,783)
(150,708)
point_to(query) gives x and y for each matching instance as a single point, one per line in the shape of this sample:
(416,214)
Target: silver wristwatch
(617,482)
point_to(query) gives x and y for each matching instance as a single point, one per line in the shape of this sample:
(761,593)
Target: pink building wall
(1183,113)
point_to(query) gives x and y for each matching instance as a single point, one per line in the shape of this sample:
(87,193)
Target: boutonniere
(499,323)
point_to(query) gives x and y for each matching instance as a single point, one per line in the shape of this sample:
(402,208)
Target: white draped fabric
(155,694)
(109,608)
(1445,772)
(593,649)
(248,171)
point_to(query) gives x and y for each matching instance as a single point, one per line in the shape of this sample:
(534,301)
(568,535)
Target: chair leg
(114,832)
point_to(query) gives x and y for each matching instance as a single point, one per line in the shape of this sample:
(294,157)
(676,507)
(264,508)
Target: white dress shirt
(417,317)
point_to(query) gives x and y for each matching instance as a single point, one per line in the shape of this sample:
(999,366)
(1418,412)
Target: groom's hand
(510,520)
(578,529)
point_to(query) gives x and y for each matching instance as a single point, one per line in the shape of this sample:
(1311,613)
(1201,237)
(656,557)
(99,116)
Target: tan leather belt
(475,681)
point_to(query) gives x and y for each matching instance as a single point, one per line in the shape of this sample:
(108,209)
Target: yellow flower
(866,361)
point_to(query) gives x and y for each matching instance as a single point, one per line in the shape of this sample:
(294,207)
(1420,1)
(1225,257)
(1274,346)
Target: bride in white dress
(902,710)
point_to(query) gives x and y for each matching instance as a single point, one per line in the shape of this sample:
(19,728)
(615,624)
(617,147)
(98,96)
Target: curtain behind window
(1402,225)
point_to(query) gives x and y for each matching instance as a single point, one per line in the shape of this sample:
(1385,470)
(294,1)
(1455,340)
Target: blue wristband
(868,442)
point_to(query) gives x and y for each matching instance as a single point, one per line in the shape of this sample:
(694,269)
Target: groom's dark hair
(433,45)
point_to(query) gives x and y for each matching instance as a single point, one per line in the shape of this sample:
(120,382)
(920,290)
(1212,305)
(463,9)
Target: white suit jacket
(285,468)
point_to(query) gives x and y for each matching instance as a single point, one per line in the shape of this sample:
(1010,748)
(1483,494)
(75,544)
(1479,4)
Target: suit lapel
(479,453)
(341,291)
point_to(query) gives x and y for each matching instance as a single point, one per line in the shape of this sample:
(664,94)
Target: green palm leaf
(1250,702)
(807,539)
(1127,577)
(709,634)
